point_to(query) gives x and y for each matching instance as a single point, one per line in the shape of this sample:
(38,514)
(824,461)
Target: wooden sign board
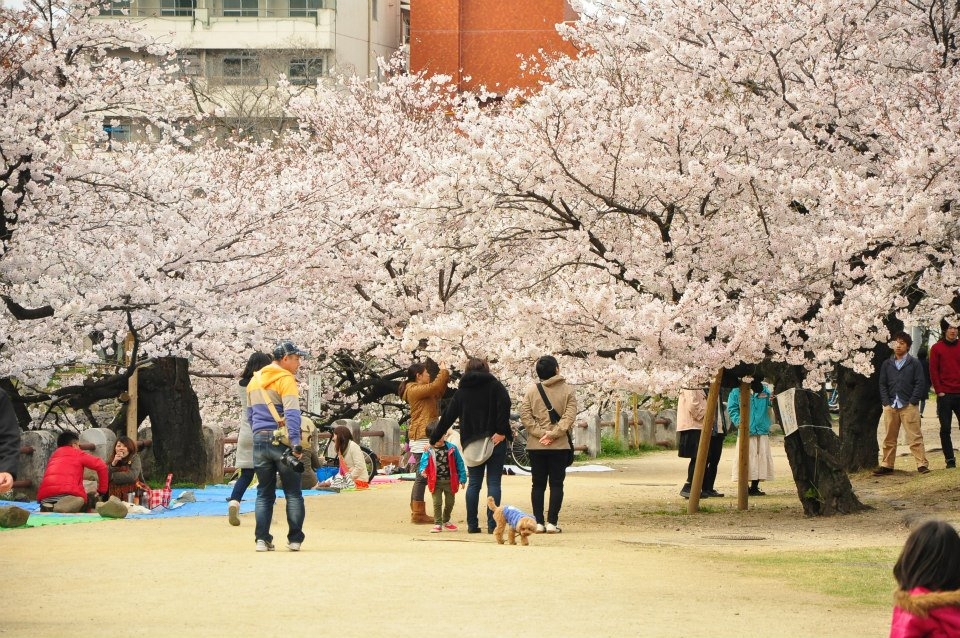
(314,397)
(788,412)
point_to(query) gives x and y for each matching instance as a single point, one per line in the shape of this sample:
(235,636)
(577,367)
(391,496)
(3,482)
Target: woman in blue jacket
(761,459)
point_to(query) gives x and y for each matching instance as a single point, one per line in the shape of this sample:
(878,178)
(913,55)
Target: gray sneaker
(293,547)
(264,546)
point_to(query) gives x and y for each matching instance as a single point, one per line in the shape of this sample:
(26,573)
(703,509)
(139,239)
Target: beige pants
(909,417)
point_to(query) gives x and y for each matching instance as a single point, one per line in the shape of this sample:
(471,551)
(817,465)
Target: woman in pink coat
(928,576)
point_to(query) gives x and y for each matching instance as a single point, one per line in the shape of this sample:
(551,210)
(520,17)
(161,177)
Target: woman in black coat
(482,405)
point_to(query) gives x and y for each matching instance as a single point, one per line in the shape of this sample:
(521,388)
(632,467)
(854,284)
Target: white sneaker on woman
(233,513)
(553,529)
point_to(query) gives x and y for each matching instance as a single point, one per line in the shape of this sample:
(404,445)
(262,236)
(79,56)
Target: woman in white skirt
(761,460)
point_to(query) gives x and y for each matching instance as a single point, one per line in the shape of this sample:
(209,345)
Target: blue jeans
(266,462)
(494,470)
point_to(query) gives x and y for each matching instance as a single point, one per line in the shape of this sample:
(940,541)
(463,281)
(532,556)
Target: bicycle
(518,447)
(329,456)
(517,451)
(833,397)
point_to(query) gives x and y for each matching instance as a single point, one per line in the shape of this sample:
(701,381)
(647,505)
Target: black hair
(944,326)
(432,427)
(256,361)
(412,372)
(902,336)
(476,364)
(547,367)
(67,438)
(129,443)
(930,558)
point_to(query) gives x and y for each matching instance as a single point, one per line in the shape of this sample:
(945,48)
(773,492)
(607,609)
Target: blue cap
(287,347)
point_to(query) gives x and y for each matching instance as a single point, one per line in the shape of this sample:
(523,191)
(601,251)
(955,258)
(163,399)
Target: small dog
(514,520)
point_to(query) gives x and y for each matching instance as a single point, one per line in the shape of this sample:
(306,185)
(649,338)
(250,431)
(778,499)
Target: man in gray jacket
(902,385)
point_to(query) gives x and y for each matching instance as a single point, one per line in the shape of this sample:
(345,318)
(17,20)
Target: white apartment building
(237,49)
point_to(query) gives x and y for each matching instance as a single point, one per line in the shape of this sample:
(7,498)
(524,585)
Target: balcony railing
(184,9)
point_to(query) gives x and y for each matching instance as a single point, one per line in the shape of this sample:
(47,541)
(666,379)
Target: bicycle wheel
(371,460)
(518,449)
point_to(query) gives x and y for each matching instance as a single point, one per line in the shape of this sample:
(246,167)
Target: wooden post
(132,408)
(616,422)
(636,421)
(743,447)
(131,389)
(703,449)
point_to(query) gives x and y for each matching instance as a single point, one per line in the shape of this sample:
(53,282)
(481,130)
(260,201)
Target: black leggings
(420,484)
(246,476)
(713,462)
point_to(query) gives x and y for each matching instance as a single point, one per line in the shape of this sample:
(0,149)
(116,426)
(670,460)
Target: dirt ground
(629,562)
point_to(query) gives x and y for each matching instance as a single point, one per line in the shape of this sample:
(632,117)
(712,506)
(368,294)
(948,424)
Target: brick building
(477,42)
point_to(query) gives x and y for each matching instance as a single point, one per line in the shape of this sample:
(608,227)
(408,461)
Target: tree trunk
(814,452)
(860,411)
(166,396)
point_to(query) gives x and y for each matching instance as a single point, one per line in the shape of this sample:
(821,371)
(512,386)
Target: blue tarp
(210,501)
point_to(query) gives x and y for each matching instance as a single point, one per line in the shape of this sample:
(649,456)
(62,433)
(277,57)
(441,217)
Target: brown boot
(418,513)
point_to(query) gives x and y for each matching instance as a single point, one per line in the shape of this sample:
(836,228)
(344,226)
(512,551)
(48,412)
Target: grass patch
(612,447)
(859,576)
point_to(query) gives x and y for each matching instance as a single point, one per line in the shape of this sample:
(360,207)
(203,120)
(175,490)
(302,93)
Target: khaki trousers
(909,418)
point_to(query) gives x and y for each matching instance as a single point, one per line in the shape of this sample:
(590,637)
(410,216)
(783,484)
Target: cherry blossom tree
(709,186)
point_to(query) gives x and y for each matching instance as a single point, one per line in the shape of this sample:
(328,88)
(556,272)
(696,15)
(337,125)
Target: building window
(115,8)
(305,8)
(118,131)
(189,64)
(244,8)
(240,68)
(176,7)
(305,71)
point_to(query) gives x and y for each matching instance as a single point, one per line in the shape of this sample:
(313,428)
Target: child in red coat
(443,468)
(928,575)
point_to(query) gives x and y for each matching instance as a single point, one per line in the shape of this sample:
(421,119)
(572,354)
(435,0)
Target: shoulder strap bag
(281,434)
(555,418)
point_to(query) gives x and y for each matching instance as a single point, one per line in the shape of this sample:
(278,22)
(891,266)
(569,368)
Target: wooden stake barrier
(616,423)
(132,405)
(703,449)
(131,390)
(743,447)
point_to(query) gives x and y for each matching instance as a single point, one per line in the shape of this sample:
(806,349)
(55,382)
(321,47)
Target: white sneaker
(436,529)
(264,546)
(540,529)
(553,529)
(293,547)
(233,513)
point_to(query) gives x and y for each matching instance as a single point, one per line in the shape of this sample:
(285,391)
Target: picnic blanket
(210,501)
(39,520)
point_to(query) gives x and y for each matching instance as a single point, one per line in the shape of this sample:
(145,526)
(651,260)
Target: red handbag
(160,497)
